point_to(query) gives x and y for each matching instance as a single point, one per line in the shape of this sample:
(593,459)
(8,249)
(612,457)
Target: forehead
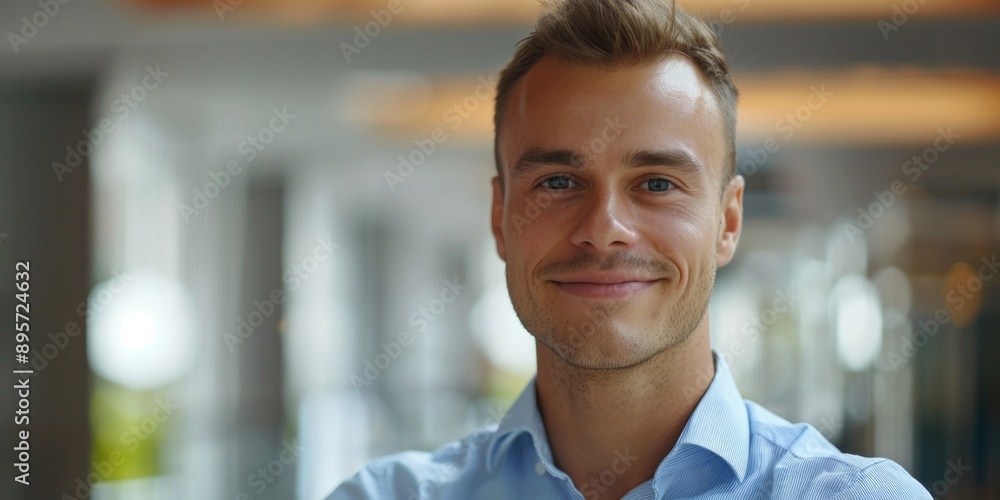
(662,104)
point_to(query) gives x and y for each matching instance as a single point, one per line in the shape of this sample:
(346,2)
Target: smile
(617,290)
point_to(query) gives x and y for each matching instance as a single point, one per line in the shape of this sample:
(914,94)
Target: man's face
(613,217)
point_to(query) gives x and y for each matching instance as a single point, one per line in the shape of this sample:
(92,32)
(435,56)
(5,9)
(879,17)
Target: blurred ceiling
(864,106)
(942,68)
(523,12)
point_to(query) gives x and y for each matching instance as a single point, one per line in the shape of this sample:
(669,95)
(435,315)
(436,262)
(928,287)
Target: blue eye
(658,184)
(557,182)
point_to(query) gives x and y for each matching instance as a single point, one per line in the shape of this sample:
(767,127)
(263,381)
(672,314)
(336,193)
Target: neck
(624,421)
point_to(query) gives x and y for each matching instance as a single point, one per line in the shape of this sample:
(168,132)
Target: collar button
(539,469)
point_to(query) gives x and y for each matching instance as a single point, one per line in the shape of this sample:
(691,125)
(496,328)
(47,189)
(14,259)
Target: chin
(603,349)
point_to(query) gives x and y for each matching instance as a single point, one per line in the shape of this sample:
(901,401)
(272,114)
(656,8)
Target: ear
(496,217)
(732,221)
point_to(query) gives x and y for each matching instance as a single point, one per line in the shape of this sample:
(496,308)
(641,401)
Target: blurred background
(260,253)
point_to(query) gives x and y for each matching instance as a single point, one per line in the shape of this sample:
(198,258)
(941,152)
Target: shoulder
(412,474)
(883,479)
(800,462)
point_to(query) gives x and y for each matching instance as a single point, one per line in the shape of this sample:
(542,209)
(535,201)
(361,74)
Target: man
(617,118)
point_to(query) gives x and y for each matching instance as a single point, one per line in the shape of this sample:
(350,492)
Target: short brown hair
(615,33)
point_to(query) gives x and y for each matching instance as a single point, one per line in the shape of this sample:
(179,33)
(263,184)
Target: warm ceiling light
(868,106)
(861,106)
(766,10)
(523,12)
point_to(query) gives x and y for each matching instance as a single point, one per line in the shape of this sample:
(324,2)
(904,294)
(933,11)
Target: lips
(604,286)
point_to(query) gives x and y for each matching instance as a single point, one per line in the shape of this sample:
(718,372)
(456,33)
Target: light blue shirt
(729,448)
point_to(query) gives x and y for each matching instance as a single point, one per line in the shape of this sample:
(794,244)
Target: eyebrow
(673,158)
(535,158)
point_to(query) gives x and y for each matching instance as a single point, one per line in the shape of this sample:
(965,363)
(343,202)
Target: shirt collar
(719,424)
(523,416)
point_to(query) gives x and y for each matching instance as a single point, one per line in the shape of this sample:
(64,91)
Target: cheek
(535,221)
(685,239)
(521,238)
(674,232)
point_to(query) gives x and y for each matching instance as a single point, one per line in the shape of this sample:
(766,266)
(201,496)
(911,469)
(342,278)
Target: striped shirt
(729,448)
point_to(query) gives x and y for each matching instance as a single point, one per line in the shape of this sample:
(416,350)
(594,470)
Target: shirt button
(539,469)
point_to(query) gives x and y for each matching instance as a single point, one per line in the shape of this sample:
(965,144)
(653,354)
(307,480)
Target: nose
(605,223)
